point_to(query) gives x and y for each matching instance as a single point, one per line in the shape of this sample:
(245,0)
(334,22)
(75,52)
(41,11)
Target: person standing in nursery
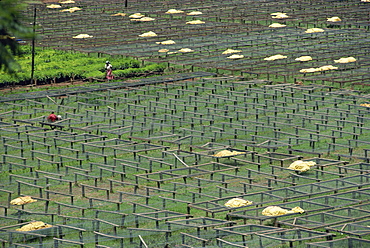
(109,68)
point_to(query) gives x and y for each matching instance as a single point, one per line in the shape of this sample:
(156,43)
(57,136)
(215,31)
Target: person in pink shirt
(109,69)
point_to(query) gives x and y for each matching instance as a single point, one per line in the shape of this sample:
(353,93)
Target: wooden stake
(142,240)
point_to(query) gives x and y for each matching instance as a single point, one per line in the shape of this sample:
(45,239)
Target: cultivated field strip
(134,164)
(238,25)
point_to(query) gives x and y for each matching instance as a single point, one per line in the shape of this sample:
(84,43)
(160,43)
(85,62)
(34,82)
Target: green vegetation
(72,152)
(189,119)
(11,26)
(52,66)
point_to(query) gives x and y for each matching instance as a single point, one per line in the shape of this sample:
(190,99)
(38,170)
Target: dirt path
(43,86)
(54,1)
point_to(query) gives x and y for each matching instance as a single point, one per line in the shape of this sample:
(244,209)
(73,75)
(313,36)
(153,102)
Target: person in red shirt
(52,117)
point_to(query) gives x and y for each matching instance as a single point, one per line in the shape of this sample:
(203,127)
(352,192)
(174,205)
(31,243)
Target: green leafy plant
(55,65)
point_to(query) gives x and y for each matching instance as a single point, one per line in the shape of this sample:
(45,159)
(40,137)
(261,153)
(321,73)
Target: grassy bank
(53,66)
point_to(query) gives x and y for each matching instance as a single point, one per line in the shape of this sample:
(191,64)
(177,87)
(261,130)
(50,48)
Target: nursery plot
(76,139)
(286,194)
(218,205)
(356,195)
(133,166)
(97,128)
(105,146)
(248,184)
(70,91)
(244,229)
(160,137)
(256,213)
(327,218)
(290,193)
(20,131)
(199,239)
(357,228)
(277,157)
(325,162)
(161,177)
(219,153)
(344,242)
(159,216)
(294,238)
(88,171)
(20,236)
(339,184)
(137,148)
(359,180)
(313,189)
(124,131)
(50,134)
(151,236)
(222,28)
(155,164)
(198,223)
(317,177)
(333,200)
